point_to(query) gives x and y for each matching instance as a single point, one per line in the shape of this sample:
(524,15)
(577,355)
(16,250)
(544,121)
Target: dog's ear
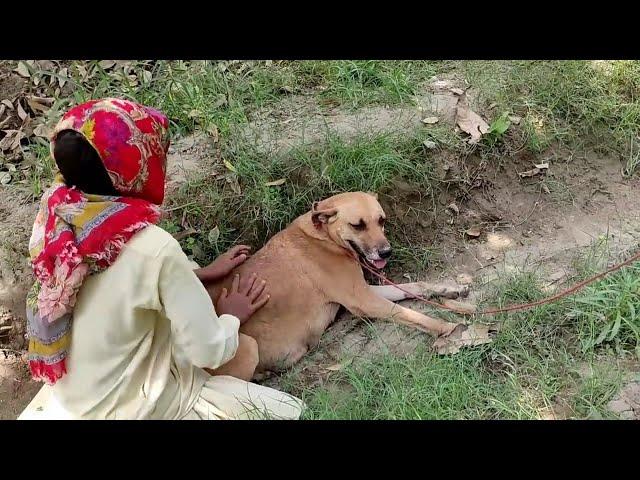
(373,194)
(326,215)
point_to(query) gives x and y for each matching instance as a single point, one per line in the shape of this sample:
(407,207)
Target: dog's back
(298,311)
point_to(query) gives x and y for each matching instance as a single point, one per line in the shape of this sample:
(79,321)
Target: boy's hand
(224,264)
(245,298)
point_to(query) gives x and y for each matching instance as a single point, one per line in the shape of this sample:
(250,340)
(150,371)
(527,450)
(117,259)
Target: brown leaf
(46,65)
(23,70)
(275,183)
(336,368)
(473,232)
(42,131)
(40,104)
(195,113)
(430,120)
(185,233)
(221,100)
(213,131)
(5,178)
(463,336)
(534,171)
(515,119)
(3,107)
(232,180)
(63,77)
(469,121)
(106,64)
(8,104)
(457,91)
(21,113)
(12,140)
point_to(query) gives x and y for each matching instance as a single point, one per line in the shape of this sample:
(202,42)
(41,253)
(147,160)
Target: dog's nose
(385,252)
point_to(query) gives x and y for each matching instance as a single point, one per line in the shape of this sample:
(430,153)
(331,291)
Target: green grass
(534,363)
(565,101)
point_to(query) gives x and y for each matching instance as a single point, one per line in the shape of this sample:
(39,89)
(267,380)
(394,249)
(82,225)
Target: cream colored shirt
(142,332)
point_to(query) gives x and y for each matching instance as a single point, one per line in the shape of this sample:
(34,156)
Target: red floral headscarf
(76,234)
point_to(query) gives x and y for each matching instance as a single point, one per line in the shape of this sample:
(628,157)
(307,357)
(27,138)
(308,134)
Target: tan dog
(311,271)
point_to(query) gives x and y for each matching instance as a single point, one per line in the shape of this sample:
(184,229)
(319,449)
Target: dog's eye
(381,221)
(361,225)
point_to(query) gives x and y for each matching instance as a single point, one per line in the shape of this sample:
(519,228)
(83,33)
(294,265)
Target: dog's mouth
(378,263)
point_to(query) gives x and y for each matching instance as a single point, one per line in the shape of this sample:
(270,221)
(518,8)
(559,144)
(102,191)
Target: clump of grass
(197,94)
(564,101)
(530,368)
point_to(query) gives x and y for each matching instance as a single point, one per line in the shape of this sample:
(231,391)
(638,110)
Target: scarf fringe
(50,374)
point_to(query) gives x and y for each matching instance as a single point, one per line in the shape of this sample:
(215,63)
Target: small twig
(179,207)
(185,233)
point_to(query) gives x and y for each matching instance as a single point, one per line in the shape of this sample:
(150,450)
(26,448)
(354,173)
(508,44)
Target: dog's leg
(366,303)
(244,362)
(424,289)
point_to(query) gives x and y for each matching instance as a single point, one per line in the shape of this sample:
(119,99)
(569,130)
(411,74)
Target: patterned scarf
(77,234)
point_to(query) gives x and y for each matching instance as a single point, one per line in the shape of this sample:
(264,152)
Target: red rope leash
(510,308)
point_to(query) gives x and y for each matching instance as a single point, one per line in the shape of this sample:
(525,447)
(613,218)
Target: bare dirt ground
(543,221)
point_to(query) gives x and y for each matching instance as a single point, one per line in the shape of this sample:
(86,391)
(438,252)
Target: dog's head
(355,221)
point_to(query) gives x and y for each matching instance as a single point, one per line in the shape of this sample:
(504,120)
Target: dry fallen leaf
(469,121)
(232,180)
(275,183)
(464,336)
(229,165)
(42,131)
(106,64)
(546,189)
(515,119)
(213,236)
(338,366)
(3,107)
(12,140)
(457,91)
(213,131)
(534,171)
(430,145)
(430,120)
(23,70)
(21,113)
(473,232)
(464,279)
(63,77)
(195,113)
(7,103)
(40,104)
(5,178)
(220,101)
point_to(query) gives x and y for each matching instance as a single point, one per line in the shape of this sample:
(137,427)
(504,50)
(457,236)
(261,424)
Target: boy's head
(113,147)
